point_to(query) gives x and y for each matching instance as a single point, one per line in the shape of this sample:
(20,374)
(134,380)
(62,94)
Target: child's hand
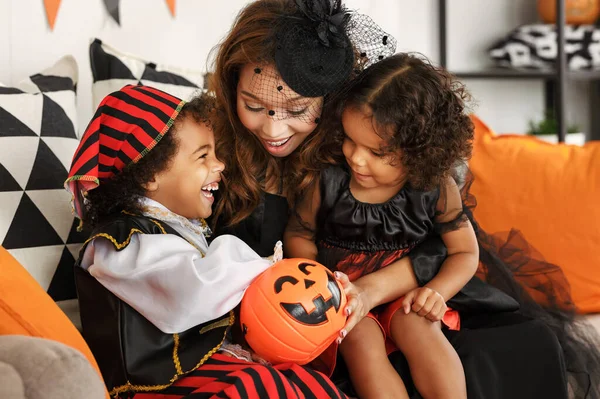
(357,307)
(426,303)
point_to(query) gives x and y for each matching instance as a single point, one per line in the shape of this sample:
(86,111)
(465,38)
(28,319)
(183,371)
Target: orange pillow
(26,309)
(551,193)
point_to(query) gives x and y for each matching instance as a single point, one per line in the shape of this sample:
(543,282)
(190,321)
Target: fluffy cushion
(25,309)
(36,368)
(37,141)
(112,69)
(551,194)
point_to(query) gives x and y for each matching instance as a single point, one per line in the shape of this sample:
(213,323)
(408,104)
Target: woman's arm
(168,281)
(299,236)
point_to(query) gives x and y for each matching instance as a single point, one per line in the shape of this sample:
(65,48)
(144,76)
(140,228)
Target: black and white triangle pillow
(38,137)
(113,69)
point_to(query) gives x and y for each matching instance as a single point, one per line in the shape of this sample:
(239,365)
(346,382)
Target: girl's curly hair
(418,110)
(122,191)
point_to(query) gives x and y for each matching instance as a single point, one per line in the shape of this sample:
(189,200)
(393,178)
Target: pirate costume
(156,301)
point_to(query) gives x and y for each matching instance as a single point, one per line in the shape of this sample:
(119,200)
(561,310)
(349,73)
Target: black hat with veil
(317,48)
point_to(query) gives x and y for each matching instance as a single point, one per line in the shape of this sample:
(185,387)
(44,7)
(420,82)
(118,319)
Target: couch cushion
(37,141)
(45,369)
(551,194)
(113,69)
(26,309)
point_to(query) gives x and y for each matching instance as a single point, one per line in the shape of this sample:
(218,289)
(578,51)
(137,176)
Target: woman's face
(279,117)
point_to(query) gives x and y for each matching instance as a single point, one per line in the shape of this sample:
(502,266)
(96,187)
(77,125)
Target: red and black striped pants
(227,377)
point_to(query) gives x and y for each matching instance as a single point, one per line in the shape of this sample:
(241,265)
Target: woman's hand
(358,304)
(426,303)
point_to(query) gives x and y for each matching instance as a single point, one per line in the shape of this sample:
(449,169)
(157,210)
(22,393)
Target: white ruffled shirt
(176,283)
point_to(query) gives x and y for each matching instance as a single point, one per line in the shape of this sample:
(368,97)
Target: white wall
(147,29)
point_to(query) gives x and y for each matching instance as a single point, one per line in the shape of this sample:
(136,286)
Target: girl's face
(274,113)
(371,169)
(194,172)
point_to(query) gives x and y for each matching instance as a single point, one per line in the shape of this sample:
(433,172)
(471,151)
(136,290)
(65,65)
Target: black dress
(504,355)
(263,228)
(359,238)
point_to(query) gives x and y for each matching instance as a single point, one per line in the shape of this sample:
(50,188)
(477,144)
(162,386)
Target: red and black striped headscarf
(126,126)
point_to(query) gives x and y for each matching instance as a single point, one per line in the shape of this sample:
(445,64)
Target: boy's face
(194,172)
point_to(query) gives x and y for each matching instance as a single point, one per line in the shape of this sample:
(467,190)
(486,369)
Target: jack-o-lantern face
(329,294)
(293,311)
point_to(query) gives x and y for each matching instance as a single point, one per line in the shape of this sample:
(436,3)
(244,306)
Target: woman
(275,74)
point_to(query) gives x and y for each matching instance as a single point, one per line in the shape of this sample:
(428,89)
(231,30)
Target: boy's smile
(194,173)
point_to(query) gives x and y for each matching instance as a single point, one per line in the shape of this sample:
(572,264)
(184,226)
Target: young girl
(156,301)
(403,131)
(394,190)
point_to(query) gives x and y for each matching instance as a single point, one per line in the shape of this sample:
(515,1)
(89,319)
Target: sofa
(549,192)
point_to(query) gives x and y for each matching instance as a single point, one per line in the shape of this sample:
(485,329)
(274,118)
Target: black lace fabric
(446,219)
(372,43)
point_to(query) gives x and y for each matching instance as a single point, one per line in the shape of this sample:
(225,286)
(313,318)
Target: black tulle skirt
(509,263)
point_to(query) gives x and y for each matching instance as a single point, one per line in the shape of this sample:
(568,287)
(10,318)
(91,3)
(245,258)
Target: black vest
(134,355)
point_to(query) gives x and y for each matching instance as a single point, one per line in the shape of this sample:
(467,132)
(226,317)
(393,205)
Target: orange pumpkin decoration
(578,12)
(293,311)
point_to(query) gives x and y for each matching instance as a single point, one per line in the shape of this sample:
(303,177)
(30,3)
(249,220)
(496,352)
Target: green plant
(548,125)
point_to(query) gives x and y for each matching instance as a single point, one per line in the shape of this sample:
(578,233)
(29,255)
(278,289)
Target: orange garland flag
(51,11)
(171,4)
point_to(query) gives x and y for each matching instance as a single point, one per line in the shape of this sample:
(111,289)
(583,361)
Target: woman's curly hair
(122,191)
(418,110)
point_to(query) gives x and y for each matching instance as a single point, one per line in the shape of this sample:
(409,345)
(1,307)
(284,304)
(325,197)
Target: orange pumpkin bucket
(293,311)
